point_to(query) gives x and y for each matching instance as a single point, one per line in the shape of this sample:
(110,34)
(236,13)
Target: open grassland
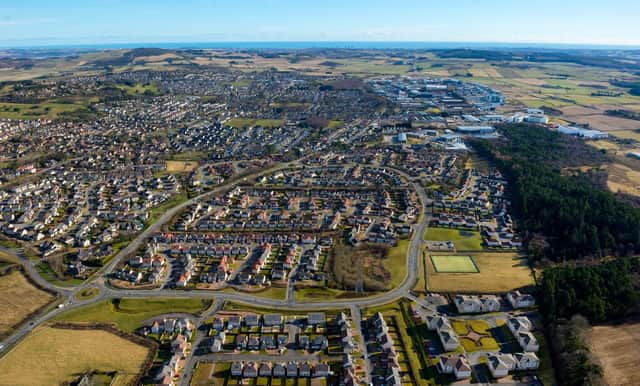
(463,240)
(128,314)
(623,179)
(19,299)
(181,166)
(498,272)
(254,122)
(54,356)
(50,110)
(618,349)
(140,89)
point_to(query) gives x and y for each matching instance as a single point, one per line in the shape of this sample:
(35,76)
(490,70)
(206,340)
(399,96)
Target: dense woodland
(600,292)
(574,217)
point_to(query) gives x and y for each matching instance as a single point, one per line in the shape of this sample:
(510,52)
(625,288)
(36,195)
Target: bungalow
(526,361)
(279,370)
(449,339)
(527,341)
(519,324)
(273,319)
(321,370)
(251,320)
(520,300)
(250,370)
(316,318)
(319,342)
(454,364)
(236,369)
(265,369)
(500,364)
(241,342)
(292,370)
(304,370)
(234,321)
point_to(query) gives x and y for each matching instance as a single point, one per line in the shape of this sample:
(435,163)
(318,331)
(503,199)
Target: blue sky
(44,22)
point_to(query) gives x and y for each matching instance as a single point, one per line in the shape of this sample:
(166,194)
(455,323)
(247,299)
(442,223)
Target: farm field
(499,272)
(617,348)
(54,356)
(454,264)
(128,314)
(19,299)
(463,240)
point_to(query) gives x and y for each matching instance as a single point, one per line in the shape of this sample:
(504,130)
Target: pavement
(106,292)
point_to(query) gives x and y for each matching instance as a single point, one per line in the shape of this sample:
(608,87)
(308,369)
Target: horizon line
(304,44)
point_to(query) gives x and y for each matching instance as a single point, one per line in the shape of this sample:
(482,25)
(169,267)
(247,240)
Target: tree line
(575,218)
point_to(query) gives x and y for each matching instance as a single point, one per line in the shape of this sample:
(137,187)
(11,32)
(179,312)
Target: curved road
(71,302)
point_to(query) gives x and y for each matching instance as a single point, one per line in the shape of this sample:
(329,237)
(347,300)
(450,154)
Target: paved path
(412,271)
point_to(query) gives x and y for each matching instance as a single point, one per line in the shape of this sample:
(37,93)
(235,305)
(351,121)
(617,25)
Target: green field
(396,262)
(128,314)
(253,122)
(140,89)
(454,264)
(463,240)
(49,110)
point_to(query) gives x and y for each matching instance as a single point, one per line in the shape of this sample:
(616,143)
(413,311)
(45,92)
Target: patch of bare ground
(618,350)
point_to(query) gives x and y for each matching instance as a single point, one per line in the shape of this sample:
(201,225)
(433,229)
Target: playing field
(454,264)
(498,272)
(19,299)
(52,356)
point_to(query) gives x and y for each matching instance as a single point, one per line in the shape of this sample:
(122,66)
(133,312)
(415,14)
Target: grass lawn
(55,356)
(139,89)
(485,344)
(19,299)
(278,293)
(50,110)
(454,264)
(129,314)
(159,210)
(421,286)
(247,122)
(499,272)
(321,293)
(5,257)
(189,156)
(181,166)
(463,240)
(87,293)
(396,262)
(44,270)
(480,326)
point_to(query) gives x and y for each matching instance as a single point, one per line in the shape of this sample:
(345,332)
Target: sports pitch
(454,264)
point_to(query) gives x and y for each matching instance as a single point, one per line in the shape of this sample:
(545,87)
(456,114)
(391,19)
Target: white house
(454,364)
(520,300)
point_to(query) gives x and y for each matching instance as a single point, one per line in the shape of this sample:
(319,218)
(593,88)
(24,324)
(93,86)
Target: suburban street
(70,301)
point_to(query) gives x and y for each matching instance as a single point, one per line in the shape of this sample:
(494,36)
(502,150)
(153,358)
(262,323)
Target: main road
(414,253)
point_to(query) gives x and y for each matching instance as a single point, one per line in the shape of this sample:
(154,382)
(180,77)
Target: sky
(69,22)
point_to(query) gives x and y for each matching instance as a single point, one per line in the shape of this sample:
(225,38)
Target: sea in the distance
(381,45)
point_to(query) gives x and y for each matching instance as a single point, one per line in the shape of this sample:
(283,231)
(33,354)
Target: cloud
(7,21)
